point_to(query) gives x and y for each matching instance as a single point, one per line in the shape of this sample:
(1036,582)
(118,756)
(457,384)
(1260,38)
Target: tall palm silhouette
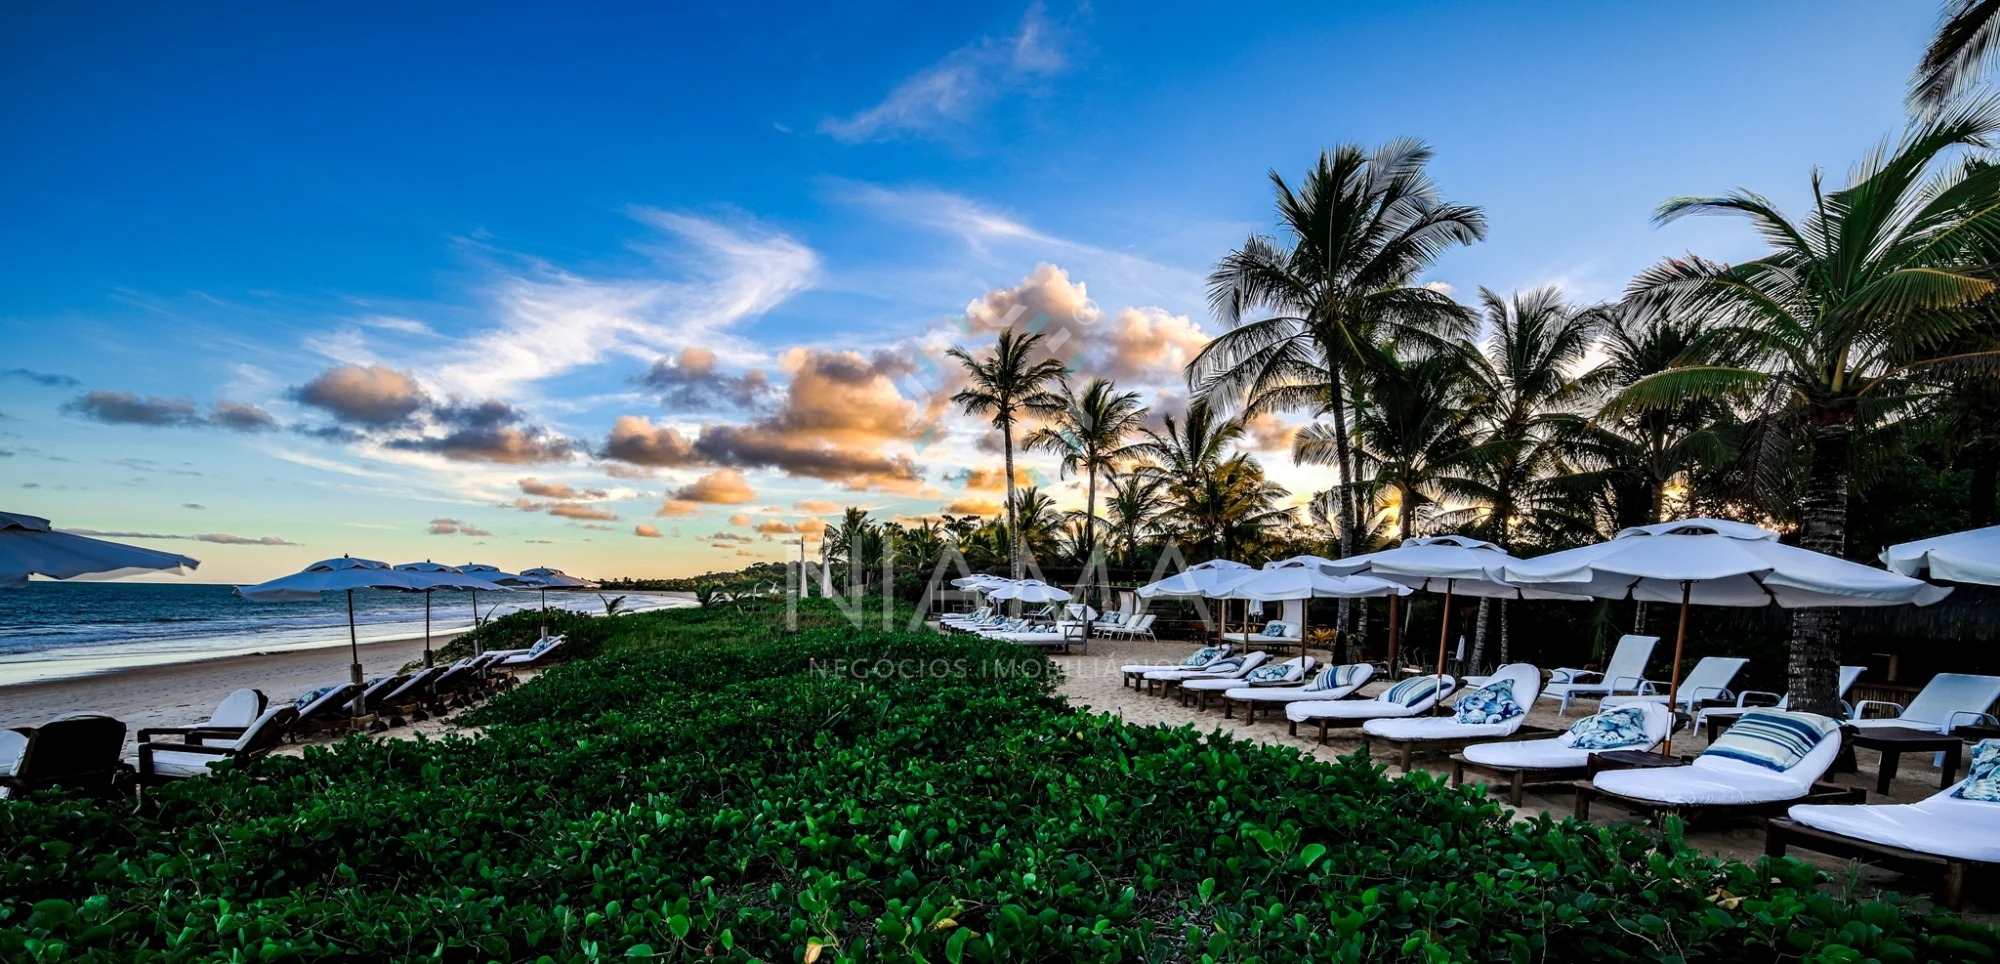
(1007,385)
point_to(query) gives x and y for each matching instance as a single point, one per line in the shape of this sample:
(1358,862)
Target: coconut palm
(1855,299)
(1007,385)
(1131,510)
(1359,230)
(1967,38)
(1037,522)
(1089,434)
(1411,438)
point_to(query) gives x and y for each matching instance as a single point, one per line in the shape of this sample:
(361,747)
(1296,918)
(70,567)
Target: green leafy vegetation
(711,788)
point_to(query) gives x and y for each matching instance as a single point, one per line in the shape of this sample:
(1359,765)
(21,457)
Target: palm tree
(1967,37)
(1037,522)
(1411,438)
(1089,434)
(1189,448)
(1131,510)
(849,541)
(1007,385)
(1855,298)
(1358,231)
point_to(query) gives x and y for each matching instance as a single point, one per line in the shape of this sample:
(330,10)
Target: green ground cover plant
(711,789)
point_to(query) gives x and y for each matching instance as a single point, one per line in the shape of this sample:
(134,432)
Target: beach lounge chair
(324,708)
(231,717)
(1062,634)
(1229,667)
(1768,761)
(1496,710)
(1623,674)
(1410,697)
(74,751)
(1640,726)
(1719,718)
(545,651)
(1276,634)
(162,762)
(1949,700)
(407,702)
(1708,680)
(373,690)
(1135,672)
(1331,683)
(1942,833)
(1139,625)
(961,622)
(1289,673)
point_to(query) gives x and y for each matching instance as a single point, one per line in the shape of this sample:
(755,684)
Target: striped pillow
(1411,691)
(1772,738)
(1335,678)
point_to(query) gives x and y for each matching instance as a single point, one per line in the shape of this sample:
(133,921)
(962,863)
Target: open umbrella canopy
(30,546)
(333,575)
(430,576)
(1302,578)
(1969,556)
(546,578)
(981,581)
(1032,591)
(496,575)
(1201,579)
(1723,563)
(1465,566)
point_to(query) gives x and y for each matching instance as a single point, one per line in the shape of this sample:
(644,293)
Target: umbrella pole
(477,649)
(354,653)
(1674,674)
(1395,636)
(545,614)
(1444,629)
(429,660)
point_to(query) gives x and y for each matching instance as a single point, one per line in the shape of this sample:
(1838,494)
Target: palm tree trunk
(1479,637)
(1815,664)
(1506,652)
(1343,453)
(1090,551)
(1013,527)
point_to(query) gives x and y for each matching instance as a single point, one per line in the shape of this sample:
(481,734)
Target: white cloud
(955,88)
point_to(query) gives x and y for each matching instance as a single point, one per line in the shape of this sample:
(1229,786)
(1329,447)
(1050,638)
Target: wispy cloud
(955,88)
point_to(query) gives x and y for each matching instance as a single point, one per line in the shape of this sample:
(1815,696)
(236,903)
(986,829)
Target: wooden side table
(1894,741)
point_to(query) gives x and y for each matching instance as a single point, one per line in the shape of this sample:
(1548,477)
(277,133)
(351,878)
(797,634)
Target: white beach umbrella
(497,576)
(1715,562)
(440,576)
(1303,578)
(30,546)
(544,579)
(1453,565)
(1031,591)
(1203,580)
(1970,556)
(344,574)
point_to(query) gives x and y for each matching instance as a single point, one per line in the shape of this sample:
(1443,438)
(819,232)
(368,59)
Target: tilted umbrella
(1971,556)
(344,574)
(440,576)
(544,579)
(30,546)
(1716,562)
(1453,565)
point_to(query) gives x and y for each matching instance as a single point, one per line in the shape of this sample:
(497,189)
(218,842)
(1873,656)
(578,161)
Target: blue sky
(347,276)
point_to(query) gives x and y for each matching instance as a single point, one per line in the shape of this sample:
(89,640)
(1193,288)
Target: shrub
(864,795)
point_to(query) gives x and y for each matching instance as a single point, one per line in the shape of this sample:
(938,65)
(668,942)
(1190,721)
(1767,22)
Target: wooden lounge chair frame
(1406,750)
(1515,778)
(1822,793)
(1781,832)
(198,732)
(286,721)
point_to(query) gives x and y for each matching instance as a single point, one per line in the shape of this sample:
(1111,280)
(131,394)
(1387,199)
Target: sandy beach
(1094,681)
(182,693)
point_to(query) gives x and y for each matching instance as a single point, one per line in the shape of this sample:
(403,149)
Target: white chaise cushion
(1940,824)
(1307,710)
(1554,753)
(1435,728)
(1721,781)
(12,746)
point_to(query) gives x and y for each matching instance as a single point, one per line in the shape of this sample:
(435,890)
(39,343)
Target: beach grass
(711,787)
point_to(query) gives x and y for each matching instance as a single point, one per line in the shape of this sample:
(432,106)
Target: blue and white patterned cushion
(1983,782)
(1776,739)
(1274,628)
(1492,703)
(542,645)
(1412,691)
(1271,672)
(1611,730)
(1202,656)
(1230,665)
(1335,678)
(306,699)
(1111,618)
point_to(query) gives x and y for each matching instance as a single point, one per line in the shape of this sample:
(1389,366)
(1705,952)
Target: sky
(650,290)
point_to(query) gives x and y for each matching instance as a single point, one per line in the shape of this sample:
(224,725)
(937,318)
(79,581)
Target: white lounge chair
(1331,683)
(1949,700)
(1718,781)
(1140,624)
(1623,674)
(1718,718)
(961,621)
(1135,672)
(1940,829)
(1412,735)
(1521,762)
(1229,667)
(546,650)
(1277,634)
(1410,697)
(160,762)
(1708,680)
(231,717)
(1291,672)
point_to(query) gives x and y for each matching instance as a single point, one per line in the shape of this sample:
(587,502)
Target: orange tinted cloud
(573,510)
(723,487)
(645,531)
(972,506)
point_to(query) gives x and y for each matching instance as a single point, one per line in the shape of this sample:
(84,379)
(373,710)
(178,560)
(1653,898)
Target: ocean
(60,630)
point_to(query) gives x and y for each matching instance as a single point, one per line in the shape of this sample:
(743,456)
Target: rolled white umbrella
(1971,556)
(1032,591)
(1716,562)
(440,576)
(344,574)
(1453,565)
(29,545)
